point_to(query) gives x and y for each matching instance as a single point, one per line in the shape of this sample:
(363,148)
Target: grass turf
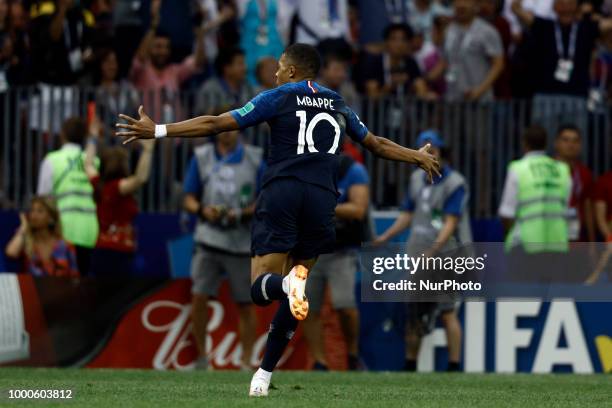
(228,389)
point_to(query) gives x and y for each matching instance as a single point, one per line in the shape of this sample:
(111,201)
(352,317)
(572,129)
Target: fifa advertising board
(146,323)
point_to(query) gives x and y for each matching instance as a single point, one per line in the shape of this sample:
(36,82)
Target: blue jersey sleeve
(408,203)
(259,109)
(193,183)
(454,204)
(355,127)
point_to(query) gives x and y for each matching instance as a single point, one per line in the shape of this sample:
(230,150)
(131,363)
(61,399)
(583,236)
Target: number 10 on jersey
(305,135)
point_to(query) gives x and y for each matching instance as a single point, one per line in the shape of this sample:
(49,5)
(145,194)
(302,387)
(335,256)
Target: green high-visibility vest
(542,208)
(74,194)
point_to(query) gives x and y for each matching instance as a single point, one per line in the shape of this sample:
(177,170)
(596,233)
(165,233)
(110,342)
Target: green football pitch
(135,388)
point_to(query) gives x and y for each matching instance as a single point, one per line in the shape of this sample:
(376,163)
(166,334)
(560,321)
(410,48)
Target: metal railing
(482,138)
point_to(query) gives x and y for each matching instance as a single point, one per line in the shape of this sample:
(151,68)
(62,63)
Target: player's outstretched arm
(145,128)
(387,149)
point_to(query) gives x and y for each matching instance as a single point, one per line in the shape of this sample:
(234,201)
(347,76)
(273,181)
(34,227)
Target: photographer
(439,219)
(220,188)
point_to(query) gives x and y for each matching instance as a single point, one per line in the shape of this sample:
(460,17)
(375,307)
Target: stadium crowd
(428,48)
(223,53)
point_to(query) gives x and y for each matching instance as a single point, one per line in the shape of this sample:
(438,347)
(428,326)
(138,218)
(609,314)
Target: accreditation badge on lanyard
(262,37)
(565,63)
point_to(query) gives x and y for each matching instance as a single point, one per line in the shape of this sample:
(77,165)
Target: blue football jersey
(308,123)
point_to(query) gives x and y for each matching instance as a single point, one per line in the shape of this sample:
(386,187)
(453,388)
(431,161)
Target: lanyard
(572,41)
(262,6)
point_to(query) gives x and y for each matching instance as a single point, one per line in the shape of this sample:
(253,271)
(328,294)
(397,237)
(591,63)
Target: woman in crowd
(114,189)
(39,244)
(113,95)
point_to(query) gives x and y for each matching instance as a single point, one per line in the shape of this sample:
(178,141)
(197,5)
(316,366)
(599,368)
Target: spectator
(62,175)
(335,76)
(428,54)
(338,269)
(602,196)
(539,8)
(374,16)
(440,223)
(422,14)
(601,82)
(19,71)
(534,212)
(319,20)
(489,11)
(39,243)
(229,86)
(259,36)
(265,72)
(62,34)
(568,148)
(560,54)
(212,18)
(128,29)
(154,74)
(114,189)
(221,188)
(113,96)
(473,55)
(395,71)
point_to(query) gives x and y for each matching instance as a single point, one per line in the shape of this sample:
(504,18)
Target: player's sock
(453,366)
(410,365)
(281,331)
(267,288)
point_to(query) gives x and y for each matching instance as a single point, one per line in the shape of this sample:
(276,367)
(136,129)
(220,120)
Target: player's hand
(143,128)
(428,162)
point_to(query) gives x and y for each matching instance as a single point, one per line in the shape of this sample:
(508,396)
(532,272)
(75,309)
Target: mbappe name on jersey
(324,103)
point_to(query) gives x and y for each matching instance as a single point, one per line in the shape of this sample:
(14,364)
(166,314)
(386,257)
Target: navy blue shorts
(296,217)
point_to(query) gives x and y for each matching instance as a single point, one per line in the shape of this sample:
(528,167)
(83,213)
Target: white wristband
(160,131)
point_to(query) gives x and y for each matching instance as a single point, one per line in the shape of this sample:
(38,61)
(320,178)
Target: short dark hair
(304,56)
(225,58)
(403,27)
(74,130)
(535,137)
(570,127)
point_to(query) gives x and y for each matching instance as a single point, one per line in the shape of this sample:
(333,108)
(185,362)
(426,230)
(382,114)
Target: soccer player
(294,216)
